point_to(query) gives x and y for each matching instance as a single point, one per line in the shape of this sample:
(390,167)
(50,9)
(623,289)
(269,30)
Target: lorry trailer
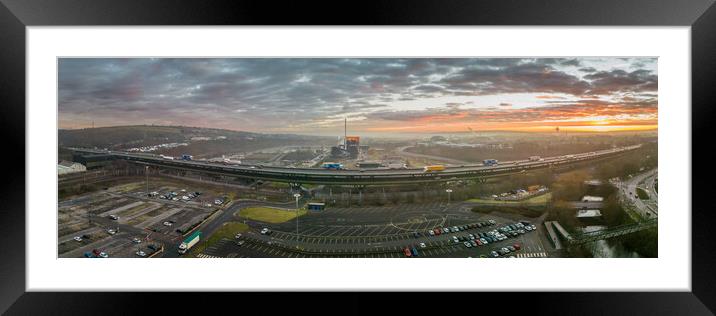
(433,168)
(490,162)
(189,242)
(332,165)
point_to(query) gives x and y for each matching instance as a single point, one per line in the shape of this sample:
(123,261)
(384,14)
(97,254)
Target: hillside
(201,142)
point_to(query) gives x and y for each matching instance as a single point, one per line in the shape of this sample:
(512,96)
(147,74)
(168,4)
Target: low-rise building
(589,198)
(65,167)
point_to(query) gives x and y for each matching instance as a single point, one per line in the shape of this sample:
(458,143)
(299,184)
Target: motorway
(362,177)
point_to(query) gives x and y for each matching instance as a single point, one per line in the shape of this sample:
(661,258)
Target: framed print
(453,151)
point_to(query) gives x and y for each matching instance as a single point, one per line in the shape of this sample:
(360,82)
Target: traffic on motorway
(317,175)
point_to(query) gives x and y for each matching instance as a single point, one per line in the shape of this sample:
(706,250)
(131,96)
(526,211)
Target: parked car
(141,253)
(473,243)
(114,217)
(516,246)
(414,252)
(103,255)
(431,233)
(407,252)
(512,249)
(88,255)
(77,238)
(136,240)
(422,245)
(494,254)
(111,231)
(467,244)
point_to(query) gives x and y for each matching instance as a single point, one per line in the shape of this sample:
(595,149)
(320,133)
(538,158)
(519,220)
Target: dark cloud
(273,91)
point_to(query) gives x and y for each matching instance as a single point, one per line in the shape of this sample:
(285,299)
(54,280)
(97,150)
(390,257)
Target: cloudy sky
(386,95)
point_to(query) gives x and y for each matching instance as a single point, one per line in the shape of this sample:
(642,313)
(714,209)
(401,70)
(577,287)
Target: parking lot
(378,232)
(85,221)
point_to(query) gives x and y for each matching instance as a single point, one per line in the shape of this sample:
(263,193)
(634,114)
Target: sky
(376,95)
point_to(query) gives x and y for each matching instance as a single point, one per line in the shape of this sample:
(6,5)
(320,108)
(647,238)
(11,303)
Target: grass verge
(269,214)
(540,199)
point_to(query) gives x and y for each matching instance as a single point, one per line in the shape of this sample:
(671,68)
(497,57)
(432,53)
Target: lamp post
(448,192)
(297,196)
(146,172)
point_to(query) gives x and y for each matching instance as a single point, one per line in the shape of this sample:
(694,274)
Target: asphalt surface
(375,232)
(647,208)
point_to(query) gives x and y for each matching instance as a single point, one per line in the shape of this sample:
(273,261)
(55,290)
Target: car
(240,242)
(85,236)
(431,233)
(407,252)
(533,226)
(494,254)
(96,252)
(416,234)
(152,247)
(238,236)
(77,238)
(505,250)
(528,228)
(88,255)
(103,255)
(414,252)
(446,230)
(484,241)
(422,245)
(473,243)
(167,224)
(461,238)
(521,231)
(455,229)
(467,244)
(111,231)
(114,217)
(511,248)
(136,240)
(516,246)
(141,253)
(479,225)
(438,231)
(478,242)
(492,222)
(471,236)
(455,239)
(264,231)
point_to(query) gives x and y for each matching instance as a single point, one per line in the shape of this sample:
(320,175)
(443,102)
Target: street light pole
(297,196)
(146,172)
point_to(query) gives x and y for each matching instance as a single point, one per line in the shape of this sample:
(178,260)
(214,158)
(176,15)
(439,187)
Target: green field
(269,214)
(540,199)
(642,194)
(227,230)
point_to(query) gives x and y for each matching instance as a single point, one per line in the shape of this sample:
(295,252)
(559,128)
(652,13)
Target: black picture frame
(15,15)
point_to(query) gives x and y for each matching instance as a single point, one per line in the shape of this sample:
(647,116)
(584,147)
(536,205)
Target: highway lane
(368,176)
(647,208)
